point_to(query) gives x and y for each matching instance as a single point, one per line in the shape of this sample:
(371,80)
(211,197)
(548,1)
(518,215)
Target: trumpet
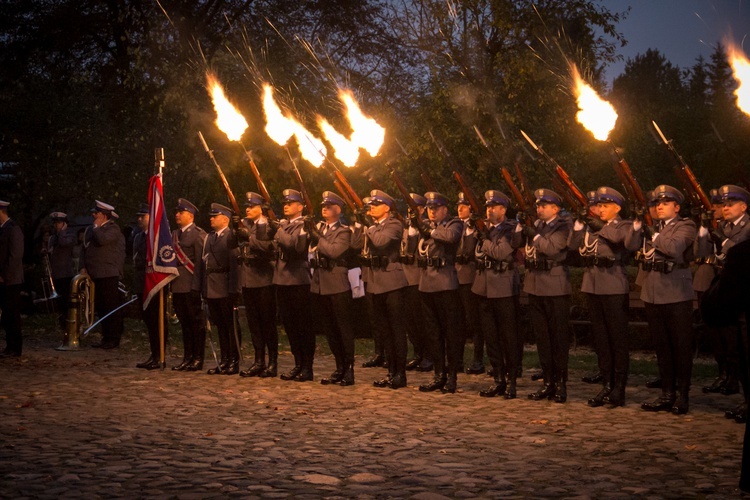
(80,311)
(48,285)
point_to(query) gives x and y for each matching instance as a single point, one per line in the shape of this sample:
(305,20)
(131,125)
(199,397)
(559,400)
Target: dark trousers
(415,321)
(335,312)
(10,321)
(107,299)
(471,324)
(62,287)
(294,305)
(550,318)
(221,313)
(442,317)
(187,307)
(260,310)
(671,327)
(390,322)
(609,324)
(377,335)
(150,317)
(499,324)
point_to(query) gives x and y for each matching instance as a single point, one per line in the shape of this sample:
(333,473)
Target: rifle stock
(223,178)
(404,192)
(471,199)
(261,185)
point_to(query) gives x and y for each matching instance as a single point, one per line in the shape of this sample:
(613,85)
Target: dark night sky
(680,29)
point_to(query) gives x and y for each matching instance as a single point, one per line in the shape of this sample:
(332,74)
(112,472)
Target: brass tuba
(80,311)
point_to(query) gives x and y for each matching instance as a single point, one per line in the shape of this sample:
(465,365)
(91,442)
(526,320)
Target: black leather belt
(436,262)
(498,266)
(541,264)
(600,261)
(662,266)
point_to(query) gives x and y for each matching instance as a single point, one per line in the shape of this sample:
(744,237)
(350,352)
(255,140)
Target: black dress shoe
(182,366)
(425,366)
(475,368)
(732,413)
(233,368)
(254,371)
(654,383)
(741,416)
(154,365)
(398,381)
(510,393)
(291,374)
(348,376)
(731,386)
(450,386)
(546,391)
(413,364)
(716,386)
(593,378)
(561,393)
(145,363)
(219,369)
(496,389)
(305,375)
(269,372)
(437,384)
(383,382)
(537,376)
(195,366)
(335,378)
(10,354)
(599,399)
(664,403)
(681,405)
(375,362)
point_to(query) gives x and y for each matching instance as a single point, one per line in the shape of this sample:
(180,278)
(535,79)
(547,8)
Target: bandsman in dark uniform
(11,279)
(292,279)
(667,292)
(216,277)
(256,256)
(438,288)
(60,253)
(188,240)
(605,242)
(417,335)
(387,283)
(332,301)
(103,260)
(548,285)
(498,284)
(150,315)
(466,269)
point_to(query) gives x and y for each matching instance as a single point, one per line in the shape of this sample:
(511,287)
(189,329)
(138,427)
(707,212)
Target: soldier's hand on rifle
(414,220)
(425,230)
(241,234)
(273,226)
(312,230)
(649,231)
(472,222)
(707,218)
(595,223)
(638,213)
(529,232)
(360,215)
(718,237)
(583,213)
(236,222)
(264,208)
(521,217)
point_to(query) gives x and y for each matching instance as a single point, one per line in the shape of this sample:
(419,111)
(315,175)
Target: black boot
(731,386)
(561,392)
(682,403)
(398,381)
(219,369)
(593,378)
(146,363)
(233,367)
(437,384)
(305,375)
(195,366)
(258,367)
(510,393)
(291,374)
(385,382)
(348,377)
(496,389)
(413,363)
(183,366)
(599,399)
(375,362)
(451,384)
(665,402)
(617,396)
(654,383)
(546,391)
(475,368)
(425,366)
(335,377)
(716,385)
(272,368)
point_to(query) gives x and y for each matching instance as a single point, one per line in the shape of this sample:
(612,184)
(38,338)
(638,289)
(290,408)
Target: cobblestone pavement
(88,425)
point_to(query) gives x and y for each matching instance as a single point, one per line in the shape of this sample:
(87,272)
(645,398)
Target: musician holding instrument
(59,256)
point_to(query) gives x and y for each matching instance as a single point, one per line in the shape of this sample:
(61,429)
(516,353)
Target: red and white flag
(161,260)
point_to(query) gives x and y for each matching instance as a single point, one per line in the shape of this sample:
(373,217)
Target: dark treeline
(89,88)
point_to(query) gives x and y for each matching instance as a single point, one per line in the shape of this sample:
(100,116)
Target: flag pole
(159,160)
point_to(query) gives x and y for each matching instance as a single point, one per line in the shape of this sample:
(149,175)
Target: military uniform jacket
(216,271)
(11,253)
(103,251)
(735,232)
(440,246)
(465,265)
(256,255)
(291,254)
(551,246)
(674,245)
(384,240)
(616,240)
(61,253)
(330,272)
(190,240)
(139,261)
(497,252)
(409,244)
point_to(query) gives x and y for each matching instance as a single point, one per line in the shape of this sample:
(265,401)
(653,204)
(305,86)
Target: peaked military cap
(547,196)
(4,204)
(102,207)
(591,196)
(731,192)
(436,199)
(494,197)
(665,192)
(59,216)
(651,198)
(253,199)
(366,200)
(714,196)
(143,209)
(378,196)
(290,195)
(184,205)
(217,209)
(462,199)
(418,199)
(608,195)
(331,198)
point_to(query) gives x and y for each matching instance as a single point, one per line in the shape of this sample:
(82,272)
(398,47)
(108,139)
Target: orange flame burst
(595,114)
(367,133)
(281,127)
(344,149)
(228,119)
(741,69)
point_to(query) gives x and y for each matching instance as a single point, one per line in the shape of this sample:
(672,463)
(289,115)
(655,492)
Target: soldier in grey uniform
(330,247)
(60,253)
(417,335)
(11,279)
(256,256)
(438,288)
(188,240)
(466,269)
(387,283)
(498,284)
(548,285)
(216,278)
(292,279)
(594,377)
(667,292)
(605,243)
(103,258)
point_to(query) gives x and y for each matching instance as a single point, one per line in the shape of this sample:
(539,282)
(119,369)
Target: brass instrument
(80,311)
(48,286)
